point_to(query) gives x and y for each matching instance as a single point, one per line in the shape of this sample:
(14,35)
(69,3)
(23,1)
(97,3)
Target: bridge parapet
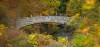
(39,19)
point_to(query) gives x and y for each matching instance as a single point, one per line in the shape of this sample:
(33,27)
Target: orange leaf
(85,30)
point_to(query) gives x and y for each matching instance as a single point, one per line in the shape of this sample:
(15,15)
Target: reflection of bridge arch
(39,19)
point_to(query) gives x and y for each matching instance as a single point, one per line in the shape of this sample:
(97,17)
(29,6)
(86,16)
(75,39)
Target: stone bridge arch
(40,19)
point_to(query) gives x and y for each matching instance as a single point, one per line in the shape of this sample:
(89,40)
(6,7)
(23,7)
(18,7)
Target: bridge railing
(39,19)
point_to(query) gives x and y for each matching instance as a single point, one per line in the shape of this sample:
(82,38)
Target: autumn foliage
(85,33)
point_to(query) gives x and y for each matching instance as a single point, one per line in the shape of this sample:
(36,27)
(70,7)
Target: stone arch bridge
(39,19)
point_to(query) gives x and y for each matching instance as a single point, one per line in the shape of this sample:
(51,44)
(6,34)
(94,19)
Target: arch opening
(54,29)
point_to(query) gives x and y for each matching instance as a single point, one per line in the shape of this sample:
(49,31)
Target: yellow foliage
(60,39)
(76,16)
(39,39)
(87,7)
(85,30)
(45,12)
(89,4)
(9,45)
(0,33)
(99,33)
(31,37)
(97,28)
(2,26)
(88,40)
(96,45)
(51,11)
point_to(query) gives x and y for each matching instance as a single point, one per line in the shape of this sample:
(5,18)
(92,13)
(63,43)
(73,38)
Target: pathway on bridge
(40,19)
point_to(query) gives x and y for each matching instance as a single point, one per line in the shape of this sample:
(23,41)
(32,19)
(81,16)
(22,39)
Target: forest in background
(87,34)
